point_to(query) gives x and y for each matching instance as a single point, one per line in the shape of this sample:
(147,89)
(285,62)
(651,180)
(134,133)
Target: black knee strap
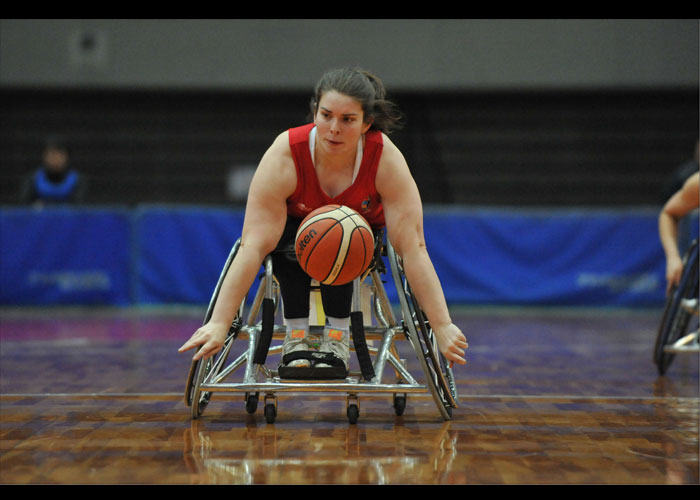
(268,326)
(360,342)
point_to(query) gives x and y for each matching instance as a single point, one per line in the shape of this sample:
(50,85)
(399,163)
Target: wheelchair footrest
(335,368)
(312,373)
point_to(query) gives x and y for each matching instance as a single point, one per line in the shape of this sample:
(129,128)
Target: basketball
(334,244)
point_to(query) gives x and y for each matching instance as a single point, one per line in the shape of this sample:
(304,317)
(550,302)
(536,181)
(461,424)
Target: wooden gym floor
(548,397)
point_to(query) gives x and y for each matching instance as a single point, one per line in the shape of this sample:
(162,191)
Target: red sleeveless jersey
(361,196)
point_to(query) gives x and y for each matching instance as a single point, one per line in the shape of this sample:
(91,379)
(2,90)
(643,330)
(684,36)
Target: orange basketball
(334,244)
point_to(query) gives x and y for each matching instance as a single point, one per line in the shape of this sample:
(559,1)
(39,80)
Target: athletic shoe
(336,342)
(295,340)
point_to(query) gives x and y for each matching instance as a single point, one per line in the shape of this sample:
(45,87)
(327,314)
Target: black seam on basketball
(364,246)
(303,227)
(356,228)
(342,235)
(359,229)
(316,242)
(347,252)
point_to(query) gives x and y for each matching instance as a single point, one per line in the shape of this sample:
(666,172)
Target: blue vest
(51,191)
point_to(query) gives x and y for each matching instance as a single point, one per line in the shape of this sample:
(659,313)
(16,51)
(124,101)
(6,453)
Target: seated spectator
(54,181)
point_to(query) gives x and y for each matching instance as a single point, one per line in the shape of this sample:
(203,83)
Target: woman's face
(339,123)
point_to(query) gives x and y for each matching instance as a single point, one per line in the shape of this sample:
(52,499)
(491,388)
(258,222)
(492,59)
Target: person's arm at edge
(680,204)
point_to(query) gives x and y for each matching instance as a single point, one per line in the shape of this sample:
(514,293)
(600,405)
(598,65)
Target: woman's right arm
(680,204)
(265,216)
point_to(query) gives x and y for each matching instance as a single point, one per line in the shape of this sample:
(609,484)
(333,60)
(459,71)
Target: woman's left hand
(452,343)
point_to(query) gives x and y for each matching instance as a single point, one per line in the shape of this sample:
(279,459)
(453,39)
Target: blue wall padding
(64,256)
(547,258)
(174,255)
(181,252)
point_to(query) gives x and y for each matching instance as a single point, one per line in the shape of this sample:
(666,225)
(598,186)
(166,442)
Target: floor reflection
(677,445)
(350,455)
(497,440)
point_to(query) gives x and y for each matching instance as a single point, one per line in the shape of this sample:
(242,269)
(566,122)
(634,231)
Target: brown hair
(367,89)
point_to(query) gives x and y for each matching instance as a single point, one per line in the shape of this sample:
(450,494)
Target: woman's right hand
(211,337)
(674,270)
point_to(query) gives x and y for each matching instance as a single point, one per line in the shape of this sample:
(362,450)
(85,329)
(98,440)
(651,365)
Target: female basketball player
(343,157)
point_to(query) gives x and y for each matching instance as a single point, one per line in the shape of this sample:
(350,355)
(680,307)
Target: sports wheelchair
(680,315)
(372,319)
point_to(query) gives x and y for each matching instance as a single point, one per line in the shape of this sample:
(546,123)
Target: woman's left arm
(403,213)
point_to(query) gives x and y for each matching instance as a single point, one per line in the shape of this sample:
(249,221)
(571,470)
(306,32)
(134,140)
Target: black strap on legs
(268,326)
(357,329)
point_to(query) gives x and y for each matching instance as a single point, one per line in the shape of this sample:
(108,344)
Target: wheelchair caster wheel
(251,402)
(353,413)
(270,408)
(399,404)
(270,413)
(353,408)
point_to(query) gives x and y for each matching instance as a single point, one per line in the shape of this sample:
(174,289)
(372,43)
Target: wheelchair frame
(209,376)
(673,337)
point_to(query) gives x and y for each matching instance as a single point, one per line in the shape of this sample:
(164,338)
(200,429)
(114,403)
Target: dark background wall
(499,112)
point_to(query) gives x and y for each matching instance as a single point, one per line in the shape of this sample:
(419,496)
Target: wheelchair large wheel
(205,369)
(439,376)
(675,320)
(194,396)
